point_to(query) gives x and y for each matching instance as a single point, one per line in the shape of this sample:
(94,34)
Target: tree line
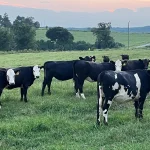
(21,34)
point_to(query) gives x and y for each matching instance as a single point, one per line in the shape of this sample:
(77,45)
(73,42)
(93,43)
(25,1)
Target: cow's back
(61,70)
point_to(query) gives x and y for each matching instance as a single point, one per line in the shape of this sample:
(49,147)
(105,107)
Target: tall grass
(60,121)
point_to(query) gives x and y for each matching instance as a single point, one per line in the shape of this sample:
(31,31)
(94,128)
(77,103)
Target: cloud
(45,2)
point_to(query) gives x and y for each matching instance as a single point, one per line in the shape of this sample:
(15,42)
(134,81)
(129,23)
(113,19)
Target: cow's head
(119,64)
(10,76)
(36,71)
(88,58)
(125,57)
(144,63)
(105,59)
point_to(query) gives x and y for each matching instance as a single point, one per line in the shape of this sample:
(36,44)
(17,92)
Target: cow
(7,77)
(125,65)
(24,78)
(122,86)
(89,71)
(125,57)
(61,70)
(105,59)
(88,58)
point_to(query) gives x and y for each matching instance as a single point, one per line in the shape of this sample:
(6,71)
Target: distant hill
(145,29)
(118,18)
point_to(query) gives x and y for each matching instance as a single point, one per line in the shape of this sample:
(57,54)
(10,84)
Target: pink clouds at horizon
(78,5)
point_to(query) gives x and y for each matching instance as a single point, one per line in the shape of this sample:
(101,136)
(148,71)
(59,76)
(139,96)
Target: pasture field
(136,39)
(63,122)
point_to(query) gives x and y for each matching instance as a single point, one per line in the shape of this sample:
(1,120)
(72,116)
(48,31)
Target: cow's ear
(17,73)
(81,58)
(111,61)
(124,63)
(140,60)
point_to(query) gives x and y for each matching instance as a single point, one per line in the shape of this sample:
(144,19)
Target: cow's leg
(49,85)
(80,84)
(76,87)
(106,106)
(43,86)
(25,88)
(21,92)
(141,103)
(100,103)
(0,100)
(136,105)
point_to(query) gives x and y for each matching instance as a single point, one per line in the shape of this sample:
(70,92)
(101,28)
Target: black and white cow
(125,57)
(7,77)
(61,70)
(123,65)
(24,78)
(122,86)
(105,59)
(83,70)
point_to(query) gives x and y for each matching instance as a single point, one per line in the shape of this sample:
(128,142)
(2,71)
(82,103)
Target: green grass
(136,39)
(63,122)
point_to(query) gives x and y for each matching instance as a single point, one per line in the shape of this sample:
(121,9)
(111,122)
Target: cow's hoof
(77,95)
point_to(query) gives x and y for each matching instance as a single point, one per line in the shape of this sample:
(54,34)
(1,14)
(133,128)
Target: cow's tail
(99,96)
(74,72)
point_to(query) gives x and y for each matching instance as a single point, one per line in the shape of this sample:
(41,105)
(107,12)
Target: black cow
(88,58)
(132,64)
(105,59)
(7,77)
(125,57)
(88,70)
(61,70)
(122,86)
(24,78)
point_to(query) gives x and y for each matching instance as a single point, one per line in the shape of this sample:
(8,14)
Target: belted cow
(61,70)
(24,78)
(122,86)
(7,77)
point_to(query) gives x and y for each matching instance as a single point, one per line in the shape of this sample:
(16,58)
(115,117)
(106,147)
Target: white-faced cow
(7,77)
(61,70)
(105,59)
(122,86)
(125,57)
(89,71)
(124,65)
(24,78)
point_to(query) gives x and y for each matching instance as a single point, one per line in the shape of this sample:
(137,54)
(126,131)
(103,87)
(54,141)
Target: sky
(79,5)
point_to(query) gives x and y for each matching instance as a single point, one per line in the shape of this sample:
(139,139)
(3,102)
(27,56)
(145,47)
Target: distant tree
(36,24)
(103,38)
(5,39)
(1,18)
(5,22)
(60,36)
(24,33)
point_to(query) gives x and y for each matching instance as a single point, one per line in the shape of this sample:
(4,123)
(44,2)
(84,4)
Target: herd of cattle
(122,80)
